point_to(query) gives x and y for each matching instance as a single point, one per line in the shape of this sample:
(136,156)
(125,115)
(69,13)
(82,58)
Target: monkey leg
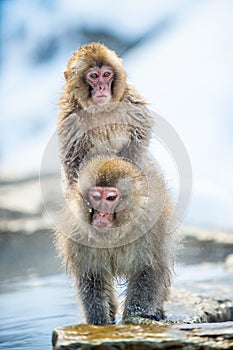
(98,298)
(144,295)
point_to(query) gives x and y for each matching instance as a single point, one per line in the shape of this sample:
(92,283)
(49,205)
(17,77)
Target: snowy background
(178,55)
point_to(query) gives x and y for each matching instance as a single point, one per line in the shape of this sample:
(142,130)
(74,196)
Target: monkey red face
(103,201)
(100,80)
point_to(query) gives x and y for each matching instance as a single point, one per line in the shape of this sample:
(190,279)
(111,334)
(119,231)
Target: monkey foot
(150,319)
(158,317)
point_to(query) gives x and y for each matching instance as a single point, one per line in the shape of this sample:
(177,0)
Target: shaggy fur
(139,248)
(106,145)
(122,127)
(76,94)
(114,129)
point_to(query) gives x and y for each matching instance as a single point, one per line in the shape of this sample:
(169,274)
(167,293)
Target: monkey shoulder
(132,96)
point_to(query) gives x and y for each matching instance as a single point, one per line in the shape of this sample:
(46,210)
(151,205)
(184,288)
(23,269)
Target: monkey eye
(94,75)
(96,196)
(107,74)
(111,198)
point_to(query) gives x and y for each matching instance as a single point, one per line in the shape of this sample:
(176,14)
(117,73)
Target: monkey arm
(73,155)
(132,96)
(137,145)
(98,298)
(145,295)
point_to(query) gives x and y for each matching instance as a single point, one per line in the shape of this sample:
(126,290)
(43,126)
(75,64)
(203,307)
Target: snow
(190,84)
(185,73)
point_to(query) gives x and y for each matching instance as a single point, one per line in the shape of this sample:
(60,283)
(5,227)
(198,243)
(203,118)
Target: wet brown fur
(139,249)
(114,129)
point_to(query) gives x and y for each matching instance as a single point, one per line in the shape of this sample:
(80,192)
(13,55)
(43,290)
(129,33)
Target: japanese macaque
(118,223)
(100,113)
(95,75)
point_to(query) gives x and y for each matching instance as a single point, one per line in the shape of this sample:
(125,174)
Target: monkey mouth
(102,98)
(101,224)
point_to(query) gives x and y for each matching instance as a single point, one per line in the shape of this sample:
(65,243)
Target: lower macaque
(118,221)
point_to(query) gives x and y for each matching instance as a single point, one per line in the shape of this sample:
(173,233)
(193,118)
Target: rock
(185,306)
(136,337)
(187,327)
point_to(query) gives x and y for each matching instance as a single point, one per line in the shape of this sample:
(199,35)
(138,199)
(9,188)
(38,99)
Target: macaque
(98,107)
(118,223)
(95,75)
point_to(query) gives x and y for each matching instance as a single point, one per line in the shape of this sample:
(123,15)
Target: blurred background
(178,54)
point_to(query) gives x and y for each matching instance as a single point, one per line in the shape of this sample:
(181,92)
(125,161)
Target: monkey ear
(65,74)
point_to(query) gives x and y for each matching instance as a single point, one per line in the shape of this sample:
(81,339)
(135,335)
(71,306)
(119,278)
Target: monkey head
(95,75)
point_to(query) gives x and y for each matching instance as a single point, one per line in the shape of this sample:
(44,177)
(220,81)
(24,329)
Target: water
(30,310)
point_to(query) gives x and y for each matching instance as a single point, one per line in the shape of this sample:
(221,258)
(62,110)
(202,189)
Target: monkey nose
(101,86)
(101,214)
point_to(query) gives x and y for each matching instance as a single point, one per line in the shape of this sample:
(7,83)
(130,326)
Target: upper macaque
(118,223)
(95,75)
(100,114)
